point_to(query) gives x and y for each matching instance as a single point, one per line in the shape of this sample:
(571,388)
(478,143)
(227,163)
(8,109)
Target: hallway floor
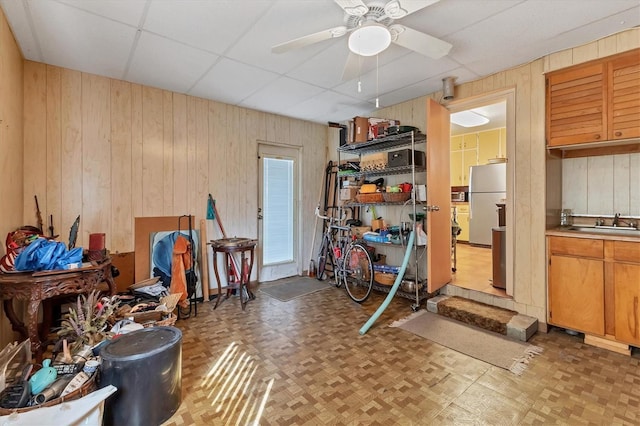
(303,362)
(474,270)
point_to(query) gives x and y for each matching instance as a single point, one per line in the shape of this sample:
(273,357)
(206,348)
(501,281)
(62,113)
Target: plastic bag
(44,254)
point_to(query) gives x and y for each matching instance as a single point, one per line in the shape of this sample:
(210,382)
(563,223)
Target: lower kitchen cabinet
(594,287)
(463,222)
(626,281)
(576,293)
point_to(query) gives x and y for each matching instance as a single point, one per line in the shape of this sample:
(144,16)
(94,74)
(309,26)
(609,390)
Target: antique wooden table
(42,287)
(229,247)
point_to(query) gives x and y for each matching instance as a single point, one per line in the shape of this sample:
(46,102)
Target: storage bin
(146,367)
(402,158)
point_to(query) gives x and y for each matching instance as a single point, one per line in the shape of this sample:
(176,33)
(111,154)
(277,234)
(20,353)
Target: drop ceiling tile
(128,12)
(324,104)
(85,42)
(425,87)
(449,16)
(280,95)
(167,64)
(285,21)
(231,82)
(208,25)
(506,33)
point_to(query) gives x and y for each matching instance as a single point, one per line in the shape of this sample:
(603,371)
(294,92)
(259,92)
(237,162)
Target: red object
(96,242)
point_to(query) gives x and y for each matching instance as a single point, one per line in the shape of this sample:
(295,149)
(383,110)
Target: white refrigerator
(487,187)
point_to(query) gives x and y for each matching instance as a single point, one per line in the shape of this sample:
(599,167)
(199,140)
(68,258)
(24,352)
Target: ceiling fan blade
(353,7)
(397,9)
(309,39)
(419,42)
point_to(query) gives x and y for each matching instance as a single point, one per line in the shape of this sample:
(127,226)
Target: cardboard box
(358,231)
(377,224)
(360,130)
(349,193)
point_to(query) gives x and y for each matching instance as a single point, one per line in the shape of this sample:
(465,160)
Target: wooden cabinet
(462,215)
(594,102)
(489,145)
(472,149)
(456,168)
(626,293)
(624,96)
(464,154)
(576,284)
(594,287)
(469,158)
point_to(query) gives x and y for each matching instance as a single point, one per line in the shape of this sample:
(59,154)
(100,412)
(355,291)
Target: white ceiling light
(468,119)
(369,39)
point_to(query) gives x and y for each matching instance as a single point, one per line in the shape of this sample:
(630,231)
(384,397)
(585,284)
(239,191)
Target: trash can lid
(141,343)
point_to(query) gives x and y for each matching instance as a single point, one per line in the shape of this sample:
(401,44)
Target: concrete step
(492,318)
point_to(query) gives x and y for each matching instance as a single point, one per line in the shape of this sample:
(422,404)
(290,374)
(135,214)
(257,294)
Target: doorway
(488,143)
(278,254)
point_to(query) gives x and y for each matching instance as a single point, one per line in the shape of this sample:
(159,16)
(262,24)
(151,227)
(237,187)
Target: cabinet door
(470,141)
(463,221)
(627,303)
(624,96)
(488,145)
(576,294)
(469,158)
(576,105)
(456,168)
(456,143)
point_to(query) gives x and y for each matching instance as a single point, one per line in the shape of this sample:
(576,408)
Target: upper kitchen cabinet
(597,101)
(624,96)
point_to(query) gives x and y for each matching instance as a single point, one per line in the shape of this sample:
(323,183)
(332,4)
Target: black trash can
(146,367)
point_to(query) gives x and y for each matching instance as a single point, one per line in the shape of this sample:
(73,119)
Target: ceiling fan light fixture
(369,39)
(468,119)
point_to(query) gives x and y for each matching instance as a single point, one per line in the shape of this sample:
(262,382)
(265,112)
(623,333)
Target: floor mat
(469,340)
(292,288)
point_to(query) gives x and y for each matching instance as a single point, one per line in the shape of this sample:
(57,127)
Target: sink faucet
(616,219)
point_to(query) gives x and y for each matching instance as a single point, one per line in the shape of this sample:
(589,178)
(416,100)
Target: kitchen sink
(610,230)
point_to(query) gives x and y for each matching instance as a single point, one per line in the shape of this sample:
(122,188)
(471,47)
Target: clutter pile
(73,369)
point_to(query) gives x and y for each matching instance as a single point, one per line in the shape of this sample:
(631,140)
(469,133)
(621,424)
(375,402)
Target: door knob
(433,208)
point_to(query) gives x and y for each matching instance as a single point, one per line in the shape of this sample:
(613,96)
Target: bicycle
(349,259)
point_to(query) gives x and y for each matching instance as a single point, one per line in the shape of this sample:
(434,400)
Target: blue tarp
(43,254)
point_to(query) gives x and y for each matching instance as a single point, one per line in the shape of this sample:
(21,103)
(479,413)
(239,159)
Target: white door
(278,242)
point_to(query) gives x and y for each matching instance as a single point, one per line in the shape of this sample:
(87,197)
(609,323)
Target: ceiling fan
(373,29)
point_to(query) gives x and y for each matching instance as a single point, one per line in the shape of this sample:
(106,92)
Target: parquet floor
(303,362)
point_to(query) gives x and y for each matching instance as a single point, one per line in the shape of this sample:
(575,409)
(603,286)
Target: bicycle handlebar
(331,219)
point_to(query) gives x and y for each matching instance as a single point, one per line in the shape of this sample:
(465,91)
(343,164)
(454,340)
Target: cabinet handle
(618,134)
(597,137)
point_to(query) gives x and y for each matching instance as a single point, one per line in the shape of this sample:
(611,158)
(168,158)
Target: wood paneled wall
(528,157)
(11,153)
(110,151)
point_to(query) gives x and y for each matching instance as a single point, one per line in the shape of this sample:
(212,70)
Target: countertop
(559,231)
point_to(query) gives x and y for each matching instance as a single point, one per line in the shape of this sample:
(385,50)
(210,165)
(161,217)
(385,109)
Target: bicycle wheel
(325,258)
(358,272)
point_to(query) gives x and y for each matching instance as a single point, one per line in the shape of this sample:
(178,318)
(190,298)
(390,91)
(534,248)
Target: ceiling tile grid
(221,49)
